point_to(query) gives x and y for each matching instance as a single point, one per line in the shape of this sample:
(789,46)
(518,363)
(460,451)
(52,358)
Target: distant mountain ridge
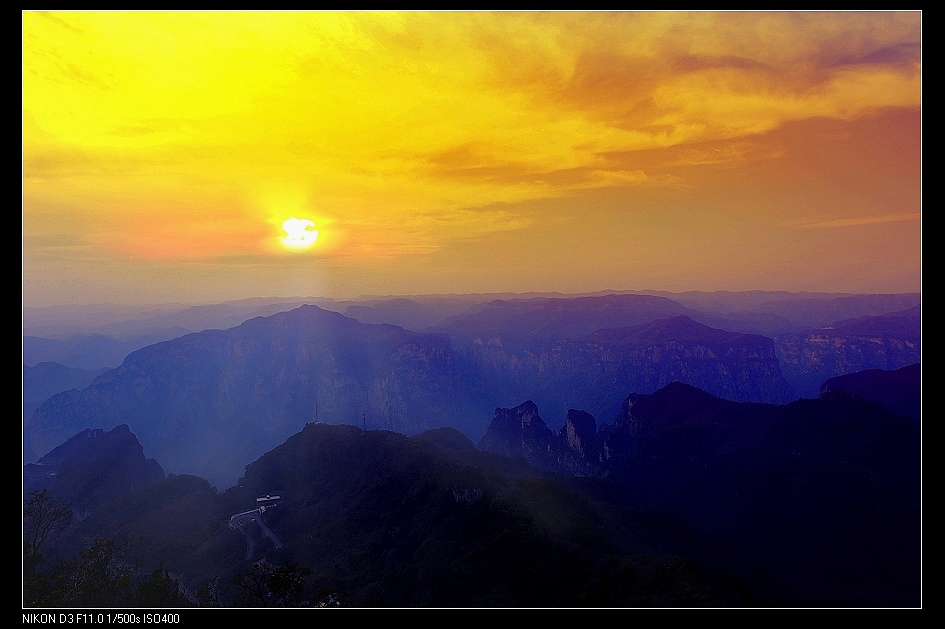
(93,337)
(888,341)
(804,309)
(248,387)
(514,321)
(42,381)
(897,390)
(587,372)
(245,389)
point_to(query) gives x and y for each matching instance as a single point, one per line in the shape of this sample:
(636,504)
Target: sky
(467,152)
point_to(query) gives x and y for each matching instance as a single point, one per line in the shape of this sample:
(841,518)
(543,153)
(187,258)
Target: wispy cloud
(834,223)
(191,135)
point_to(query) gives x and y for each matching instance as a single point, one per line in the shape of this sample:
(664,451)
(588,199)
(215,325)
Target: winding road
(242,521)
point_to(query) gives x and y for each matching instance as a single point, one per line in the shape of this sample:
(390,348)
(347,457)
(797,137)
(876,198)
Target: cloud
(404,132)
(834,223)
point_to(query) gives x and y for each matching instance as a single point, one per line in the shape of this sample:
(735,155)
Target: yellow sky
(468,152)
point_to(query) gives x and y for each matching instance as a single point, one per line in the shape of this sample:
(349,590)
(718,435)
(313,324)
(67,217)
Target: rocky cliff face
(518,432)
(884,342)
(661,445)
(581,448)
(549,350)
(521,432)
(590,372)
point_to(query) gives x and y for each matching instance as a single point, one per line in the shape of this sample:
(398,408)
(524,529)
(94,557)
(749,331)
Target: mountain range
(701,450)
(688,500)
(248,387)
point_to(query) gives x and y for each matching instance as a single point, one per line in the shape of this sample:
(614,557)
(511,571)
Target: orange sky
(454,152)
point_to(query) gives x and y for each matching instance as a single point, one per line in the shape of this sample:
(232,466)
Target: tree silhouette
(42,514)
(279,586)
(104,575)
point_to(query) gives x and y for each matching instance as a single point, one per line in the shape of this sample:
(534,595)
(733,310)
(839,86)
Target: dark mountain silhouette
(516,431)
(92,468)
(823,493)
(513,322)
(385,520)
(695,501)
(897,390)
(178,524)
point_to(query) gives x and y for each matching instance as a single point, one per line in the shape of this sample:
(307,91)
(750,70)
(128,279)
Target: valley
(606,413)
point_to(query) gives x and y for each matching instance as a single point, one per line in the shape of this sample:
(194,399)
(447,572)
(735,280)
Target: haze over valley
(549,381)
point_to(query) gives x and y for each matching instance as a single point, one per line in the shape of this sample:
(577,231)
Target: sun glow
(300,234)
(434,151)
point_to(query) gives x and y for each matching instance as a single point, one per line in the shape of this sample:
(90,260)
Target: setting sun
(437,151)
(300,234)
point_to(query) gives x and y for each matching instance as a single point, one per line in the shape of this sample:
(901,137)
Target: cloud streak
(819,223)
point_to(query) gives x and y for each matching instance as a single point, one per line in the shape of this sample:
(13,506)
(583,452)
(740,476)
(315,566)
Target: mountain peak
(92,467)
(514,430)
